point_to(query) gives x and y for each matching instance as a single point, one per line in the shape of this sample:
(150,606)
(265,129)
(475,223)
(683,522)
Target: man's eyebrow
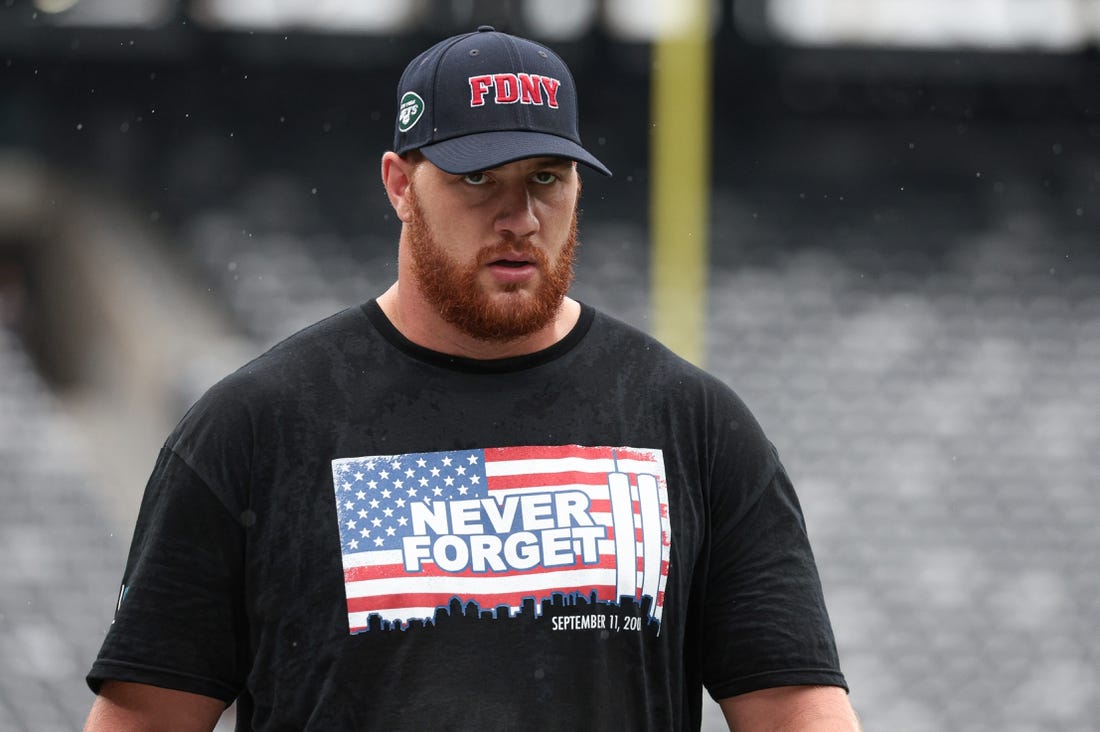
(558,163)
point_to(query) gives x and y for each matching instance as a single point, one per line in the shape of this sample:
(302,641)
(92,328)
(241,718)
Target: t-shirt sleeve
(765,622)
(180,620)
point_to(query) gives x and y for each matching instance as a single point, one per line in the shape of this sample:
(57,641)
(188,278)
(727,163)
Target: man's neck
(415,319)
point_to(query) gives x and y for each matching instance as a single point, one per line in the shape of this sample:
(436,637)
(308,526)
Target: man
(472,503)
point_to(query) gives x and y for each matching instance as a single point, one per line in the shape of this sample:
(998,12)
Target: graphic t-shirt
(354,532)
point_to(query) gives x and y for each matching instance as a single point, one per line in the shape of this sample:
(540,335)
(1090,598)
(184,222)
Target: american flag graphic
(500,526)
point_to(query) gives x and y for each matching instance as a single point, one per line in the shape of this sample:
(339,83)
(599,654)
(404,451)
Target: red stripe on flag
(430,569)
(602,505)
(531,480)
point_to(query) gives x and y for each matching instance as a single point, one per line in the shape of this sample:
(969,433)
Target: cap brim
(486,150)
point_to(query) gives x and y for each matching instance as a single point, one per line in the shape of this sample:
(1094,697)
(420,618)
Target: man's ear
(396,177)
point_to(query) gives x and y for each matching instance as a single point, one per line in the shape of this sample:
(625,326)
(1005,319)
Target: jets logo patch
(410,111)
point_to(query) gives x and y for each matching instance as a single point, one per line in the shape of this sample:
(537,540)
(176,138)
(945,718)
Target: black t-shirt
(355,532)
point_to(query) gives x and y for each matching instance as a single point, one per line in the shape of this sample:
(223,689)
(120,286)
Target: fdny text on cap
(511,88)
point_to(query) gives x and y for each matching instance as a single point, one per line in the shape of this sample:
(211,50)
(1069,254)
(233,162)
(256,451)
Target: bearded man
(472,502)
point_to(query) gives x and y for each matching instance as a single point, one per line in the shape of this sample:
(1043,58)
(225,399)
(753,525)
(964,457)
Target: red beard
(455,293)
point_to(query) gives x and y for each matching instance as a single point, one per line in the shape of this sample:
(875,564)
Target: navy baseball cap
(479,100)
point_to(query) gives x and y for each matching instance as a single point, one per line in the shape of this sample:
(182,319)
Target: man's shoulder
(312,347)
(645,363)
(620,338)
(620,332)
(287,368)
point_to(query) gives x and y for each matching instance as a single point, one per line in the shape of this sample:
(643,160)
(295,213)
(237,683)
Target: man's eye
(545,177)
(476,179)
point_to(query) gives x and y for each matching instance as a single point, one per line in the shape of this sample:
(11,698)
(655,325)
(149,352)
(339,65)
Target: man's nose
(516,213)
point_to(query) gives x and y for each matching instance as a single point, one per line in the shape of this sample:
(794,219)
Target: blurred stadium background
(903,283)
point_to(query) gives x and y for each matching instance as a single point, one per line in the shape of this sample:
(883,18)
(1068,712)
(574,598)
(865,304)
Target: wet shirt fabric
(355,532)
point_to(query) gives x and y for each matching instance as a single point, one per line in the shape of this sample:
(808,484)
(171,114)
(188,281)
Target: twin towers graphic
(650,531)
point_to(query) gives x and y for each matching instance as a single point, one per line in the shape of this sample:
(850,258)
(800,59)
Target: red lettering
(479,85)
(529,90)
(507,88)
(512,88)
(551,87)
